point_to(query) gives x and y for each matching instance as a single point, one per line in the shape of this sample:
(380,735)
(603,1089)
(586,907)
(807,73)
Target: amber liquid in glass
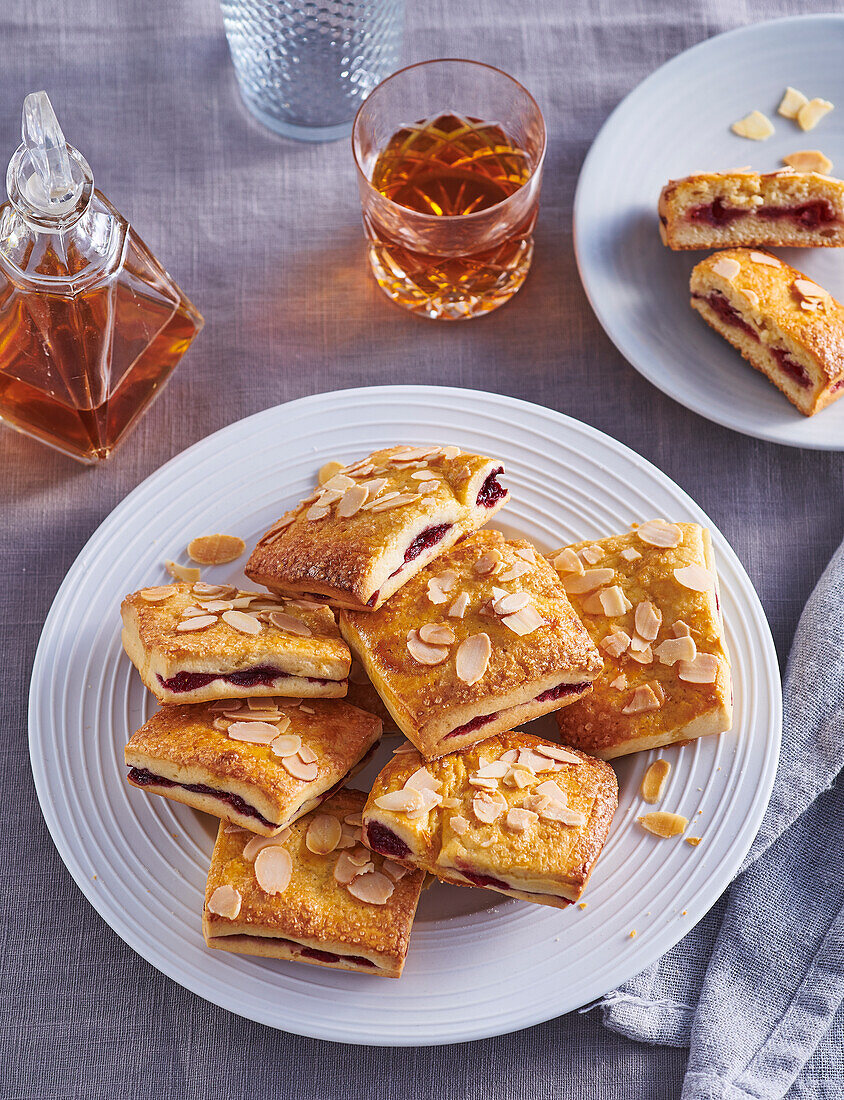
(451,166)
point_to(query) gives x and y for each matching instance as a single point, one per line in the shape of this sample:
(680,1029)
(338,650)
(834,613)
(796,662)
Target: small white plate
(675,123)
(478,965)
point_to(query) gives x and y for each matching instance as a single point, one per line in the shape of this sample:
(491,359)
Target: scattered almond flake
(495,769)
(643,656)
(436,634)
(194,612)
(428,487)
(400,802)
(258,843)
(510,756)
(499,593)
(661,823)
(182,572)
(764,258)
(811,295)
(791,103)
(726,267)
(273,868)
(519,777)
(278,528)
(329,470)
(643,700)
(422,780)
(488,784)
(413,454)
(588,581)
(297,767)
(327,497)
(616,643)
(693,840)
(487,562)
(290,624)
(488,806)
(809,160)
(472,658)
(527,553)
(810,114)
(695,578)
(524,621)
(629,554)
(619,683)
(373,888)
(658,532)
(202,622)
(323,834)
(648,620)
(226,704)
(557,752)
(286,744)
(680,629)
(158,594)
(306,754)
(752,297)
(592,554)
(395,870)
(225,902)
(534,761)
(558,811)
(307,710)
(221,724)
(537,803)
(254,733)
(654,780)
(374,486)
(566,561)
(451,452)
(216,606)
(519,819)
(702,670)
(215,550)
(551,789)
(360,468)
(345,869)
(613,601)
(385,505)
(459,824)
(511,602)
(755,126)
(423,653)
(339,483)
(317,511)
(673,650)
(515,571)
(267,715)
(404,747)
(352,501)
(242,622)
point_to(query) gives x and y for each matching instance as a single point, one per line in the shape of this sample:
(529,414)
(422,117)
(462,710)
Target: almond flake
(258,843)
(588,581)
(254,733)
(451,452)
(619,683)
(658,532)
(215,606)
(524,621)
(791,103)
(680,629)
(422,780)
(395,870)
(812,112)
(242,622)
(373,888)
(307,773)
(519,819)
(702,670)
(323,834)
(215,550)
(527,553)
(765,258)
(614,602)
(488,784)
(552,790)
(472,658)
(157,594)
(654,780)
(317,511)
(495,769)
(345,869)
(643,700)
(592,554)
(511,602)
(616,643)
(221,724)
(558,811)
(286,744)
(423,653)
(510,756)
(436,634)
(809,160)
(663,824)
(487,562)
(273,868)
(289,623)
(459,824)
(693,840)
(488,806)
(400,802)
(339,483)
(403,748)
(754,126)
(226,704)
(535,762)
(352,501)
(695,578)
(225,902)
(557,752)
(673,650)
(726,267)
(643,656)
(388,502)
(648,620)
(328,471)
(515,571)
(306,754)
(361,468)
(199,623)
(567,562)
(182,572)
(629,554)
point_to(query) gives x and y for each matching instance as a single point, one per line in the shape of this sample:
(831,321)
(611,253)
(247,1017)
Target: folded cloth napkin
(755,990)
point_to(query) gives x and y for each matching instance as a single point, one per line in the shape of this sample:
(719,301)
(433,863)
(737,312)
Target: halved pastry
(313,894)
(194,643)
(261,763)
(368,529)
(784,325)
(731,209)
(480,640)
(649,598)
(516,814)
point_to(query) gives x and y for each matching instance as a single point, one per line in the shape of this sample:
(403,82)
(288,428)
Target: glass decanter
(91,325)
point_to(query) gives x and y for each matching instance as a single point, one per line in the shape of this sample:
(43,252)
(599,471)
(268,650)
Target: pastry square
(368,529)
(480,640)
(516,814)
(649,598)
(194,643)
(313,894)
(261,764)
(784,325)
(734,209)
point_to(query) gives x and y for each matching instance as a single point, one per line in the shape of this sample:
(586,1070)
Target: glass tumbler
(449,156)
(304,68)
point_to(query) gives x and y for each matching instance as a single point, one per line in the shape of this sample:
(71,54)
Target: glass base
(298,133)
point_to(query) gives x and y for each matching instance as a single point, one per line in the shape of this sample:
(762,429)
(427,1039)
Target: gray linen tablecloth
(265,237)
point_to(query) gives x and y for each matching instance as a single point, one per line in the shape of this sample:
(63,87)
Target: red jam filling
(423,541)
(383,840)
(838,385)
(557,692)
(791,367)
(491,491)
(808,215)
(259,676)
(485,880)
(715,213)
(330,957)
(142,777)
(722,308)
(473,724)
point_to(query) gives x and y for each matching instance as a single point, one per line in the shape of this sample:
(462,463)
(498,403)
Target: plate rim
(123,927)
(724,419)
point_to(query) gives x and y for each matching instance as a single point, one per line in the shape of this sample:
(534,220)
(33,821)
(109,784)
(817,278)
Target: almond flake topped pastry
(516,814)
(195,642)
(260,763)
(649,598)
(743,208)
(480,640)
(313,894)
(784,324)
(371,526)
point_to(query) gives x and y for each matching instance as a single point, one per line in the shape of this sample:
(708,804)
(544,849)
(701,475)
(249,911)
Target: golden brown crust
(362,693)
(548,863)
(428,702)
(358,561)
(181,744)
(160,651)
(314,910)
(598,723)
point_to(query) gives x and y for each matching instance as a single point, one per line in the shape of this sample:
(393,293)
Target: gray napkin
(755,990)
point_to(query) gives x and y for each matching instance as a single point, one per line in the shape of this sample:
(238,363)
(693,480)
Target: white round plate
(479,965)
(675,123)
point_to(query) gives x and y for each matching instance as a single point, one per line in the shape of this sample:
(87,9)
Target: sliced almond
(791,103)
(436,634)
(525,621)
(511,602)
(643,654)
(654,780)
(695,577)
(658,532)
(345,869)
(588,581)
(373,888)
(458,608)
(557,752)
(352,502)
(810,114)
(755,126)
(242,622)
(527,553)
(619,683)
(227,704)
(487,562)
(495,769)
(518,569)
(439,587)
(328,471)
(519,819)
(680,629)
(551,789)
(614,602)
(158,594)
(396,501)
(273,868)
(488,806)
(182,572)
(616,643)
(472,658)
(765,258)
(253,733)
(297,767)
(702,670)
(567,562)
(648,620)
(726,267)
(258,843)
(215,549)
(592,554)
(423,653)
(395,870)
(422,780)
(663,824)
(201,622)
(643,700)
(290,624)
(339,483)
(323,834)
(317,511)
(400,802)
(286,744)
(809,160)
(629,554)
(673,650)
(225,902)
(459,824)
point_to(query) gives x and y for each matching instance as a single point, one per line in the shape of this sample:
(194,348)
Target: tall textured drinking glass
(305,68)
(449,156)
